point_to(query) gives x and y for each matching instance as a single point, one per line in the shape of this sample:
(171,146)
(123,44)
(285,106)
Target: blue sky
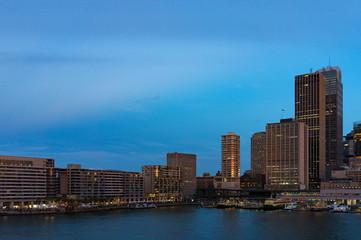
(118,84)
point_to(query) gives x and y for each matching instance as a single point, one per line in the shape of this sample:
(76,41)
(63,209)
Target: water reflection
(183,223)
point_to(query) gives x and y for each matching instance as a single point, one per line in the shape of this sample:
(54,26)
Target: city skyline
(142,80)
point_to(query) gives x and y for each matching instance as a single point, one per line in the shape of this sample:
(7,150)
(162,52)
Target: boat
(251,205)
(226,204)
(274,204)
(355,208)
(208,205)
(292,206)
(319,207)
(341,208)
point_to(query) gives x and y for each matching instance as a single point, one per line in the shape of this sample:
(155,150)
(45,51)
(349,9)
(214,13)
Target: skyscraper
(334,117)
(257,153)
(310,108)
(286,155)
(189,171)
(230,156)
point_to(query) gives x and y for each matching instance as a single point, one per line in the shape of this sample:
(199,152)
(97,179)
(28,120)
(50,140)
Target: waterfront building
(26,161)
(23,180)
(76,182)
(257,153)
(188,163)
(310,108)
(334,117)
(163,183)
(231,159)
(341,189)
(286,153)
(22,185)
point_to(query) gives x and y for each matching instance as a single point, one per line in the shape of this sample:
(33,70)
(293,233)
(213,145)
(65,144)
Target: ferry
(272,204)
(226,204)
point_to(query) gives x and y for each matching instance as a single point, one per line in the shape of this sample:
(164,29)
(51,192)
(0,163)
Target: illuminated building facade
(257,153)
(230,156)
(286,155)
(310,108)
(163,183)
(26,161)
(77,182)
(188,163)
(334,117)
(357,139)
(23,180)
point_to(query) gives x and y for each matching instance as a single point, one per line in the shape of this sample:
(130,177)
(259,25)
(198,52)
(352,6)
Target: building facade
(76,182)
(257,153)
(26,161)
(357,139)
(163,183)
(188,163)
(310,108)
(334,117)
(286,154)
(23,180)
(230,156)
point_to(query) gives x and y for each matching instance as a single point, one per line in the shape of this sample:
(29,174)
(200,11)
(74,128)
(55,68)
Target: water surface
(184,223)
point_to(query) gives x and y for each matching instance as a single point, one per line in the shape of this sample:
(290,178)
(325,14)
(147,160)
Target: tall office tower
(257,153)
(357,139)
(334,117)
(286,153)
(230,156)
(310,108)
(188,163)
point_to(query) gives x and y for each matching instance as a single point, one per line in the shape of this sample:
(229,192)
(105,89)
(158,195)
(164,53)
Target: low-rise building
(77,182)
(341,189)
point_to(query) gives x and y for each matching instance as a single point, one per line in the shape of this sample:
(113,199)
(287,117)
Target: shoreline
(84,210)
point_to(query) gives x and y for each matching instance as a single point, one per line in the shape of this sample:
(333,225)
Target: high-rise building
(334,117)
(286,153)
(230,156)
(188,163)
(310,108)
(357,139)
(257,153)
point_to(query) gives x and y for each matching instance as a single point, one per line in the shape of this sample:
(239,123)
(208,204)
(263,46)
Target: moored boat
(226,204)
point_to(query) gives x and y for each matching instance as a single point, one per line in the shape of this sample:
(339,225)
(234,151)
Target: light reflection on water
(183,223)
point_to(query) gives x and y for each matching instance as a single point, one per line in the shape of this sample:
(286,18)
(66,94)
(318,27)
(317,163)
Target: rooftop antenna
(310,70)
(329,61)
(282,110)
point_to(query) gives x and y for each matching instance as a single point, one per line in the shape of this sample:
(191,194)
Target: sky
(118,84)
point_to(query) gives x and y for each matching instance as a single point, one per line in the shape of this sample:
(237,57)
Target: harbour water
(184,223)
